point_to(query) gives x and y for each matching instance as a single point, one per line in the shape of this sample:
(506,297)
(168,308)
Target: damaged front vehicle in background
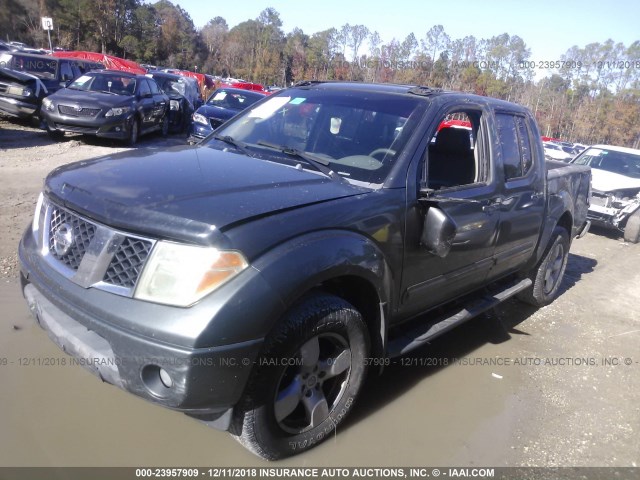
(615,199)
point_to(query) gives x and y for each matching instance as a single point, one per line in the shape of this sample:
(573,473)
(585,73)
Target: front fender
(302,263)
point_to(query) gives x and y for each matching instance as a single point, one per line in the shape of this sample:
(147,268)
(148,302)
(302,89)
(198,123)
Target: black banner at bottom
(329,473)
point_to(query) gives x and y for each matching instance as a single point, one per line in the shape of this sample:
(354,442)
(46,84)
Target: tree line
(590,95)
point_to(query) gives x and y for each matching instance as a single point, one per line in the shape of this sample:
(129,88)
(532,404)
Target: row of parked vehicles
(313,237)
(562,151)
(80,96)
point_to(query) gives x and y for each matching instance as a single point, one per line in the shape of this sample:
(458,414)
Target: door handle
(537,196)
(492,205)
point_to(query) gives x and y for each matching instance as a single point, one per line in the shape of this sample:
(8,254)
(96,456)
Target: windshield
(96,82)
(357,134)
(622,163)
(35,66)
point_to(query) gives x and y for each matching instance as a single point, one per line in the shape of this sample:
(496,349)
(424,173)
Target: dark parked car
(109,104)
(184,98)
(223,104)
(252,281)
(26,79)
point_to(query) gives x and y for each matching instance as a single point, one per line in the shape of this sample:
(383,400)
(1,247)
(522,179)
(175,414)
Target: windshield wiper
(234,143)
(107,91)
(318,163)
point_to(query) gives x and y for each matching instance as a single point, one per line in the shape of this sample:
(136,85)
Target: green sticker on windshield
(297,100)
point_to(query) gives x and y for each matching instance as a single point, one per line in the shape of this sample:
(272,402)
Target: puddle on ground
(412,415)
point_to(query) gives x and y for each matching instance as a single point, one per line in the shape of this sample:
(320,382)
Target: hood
(211,111)
(605,181)
(92,99)
(187,193)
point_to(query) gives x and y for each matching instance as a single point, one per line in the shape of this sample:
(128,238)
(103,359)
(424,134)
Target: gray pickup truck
(253,280)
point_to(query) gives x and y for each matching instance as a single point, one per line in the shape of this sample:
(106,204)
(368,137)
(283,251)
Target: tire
(164,130)
(134,132)
(287,409)
(632,228)
(55,135)
(547,275)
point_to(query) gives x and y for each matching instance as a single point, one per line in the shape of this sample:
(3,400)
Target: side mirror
(438,232)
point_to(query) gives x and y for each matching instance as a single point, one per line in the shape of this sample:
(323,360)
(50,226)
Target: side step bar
(421,334)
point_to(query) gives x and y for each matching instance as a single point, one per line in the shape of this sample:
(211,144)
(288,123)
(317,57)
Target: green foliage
(591,96)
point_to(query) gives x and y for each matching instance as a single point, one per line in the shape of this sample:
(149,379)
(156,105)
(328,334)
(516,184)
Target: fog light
(165,378)
(157,380)
(118,129)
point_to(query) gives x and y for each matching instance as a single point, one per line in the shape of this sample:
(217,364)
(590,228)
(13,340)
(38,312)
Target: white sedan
(553,151)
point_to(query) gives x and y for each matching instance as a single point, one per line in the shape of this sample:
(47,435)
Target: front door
(458,174)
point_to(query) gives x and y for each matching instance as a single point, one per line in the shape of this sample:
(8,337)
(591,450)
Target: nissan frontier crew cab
(251,281)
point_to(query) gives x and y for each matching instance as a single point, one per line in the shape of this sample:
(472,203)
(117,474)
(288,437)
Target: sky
(549,28)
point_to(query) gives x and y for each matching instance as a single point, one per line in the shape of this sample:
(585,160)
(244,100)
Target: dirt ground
(559,386)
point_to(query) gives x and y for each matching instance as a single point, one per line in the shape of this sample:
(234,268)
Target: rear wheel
(164,131)
(547,275)
(306,380)
(632,228)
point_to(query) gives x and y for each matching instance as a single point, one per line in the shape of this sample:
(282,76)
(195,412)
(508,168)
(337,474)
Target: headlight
(114,112)
(21,91)
(38,219)
(199,118)
(180,275)
(47,104)
(174,105)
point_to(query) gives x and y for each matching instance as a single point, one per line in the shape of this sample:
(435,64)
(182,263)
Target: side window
(454,156)
(144,88)
(154,87)
(515,144)
(65,72)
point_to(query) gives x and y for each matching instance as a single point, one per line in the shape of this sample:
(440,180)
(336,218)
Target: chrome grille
(91,254)
(83,233)
(82,112)
(127,262)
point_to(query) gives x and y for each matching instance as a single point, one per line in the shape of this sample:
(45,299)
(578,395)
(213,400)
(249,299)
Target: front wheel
(547,275)
(134,131)
(632,228)
(306,380)
(55,135)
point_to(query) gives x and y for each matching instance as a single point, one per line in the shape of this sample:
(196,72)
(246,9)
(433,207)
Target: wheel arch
(560,213)
(346,264)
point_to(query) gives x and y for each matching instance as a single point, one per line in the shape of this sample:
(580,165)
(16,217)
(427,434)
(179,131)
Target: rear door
(521,201)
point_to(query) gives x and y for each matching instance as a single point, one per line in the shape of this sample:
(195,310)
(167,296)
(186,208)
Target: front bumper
(17,108)
(606,211)
(200,130)
(204,381)
(116,127)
